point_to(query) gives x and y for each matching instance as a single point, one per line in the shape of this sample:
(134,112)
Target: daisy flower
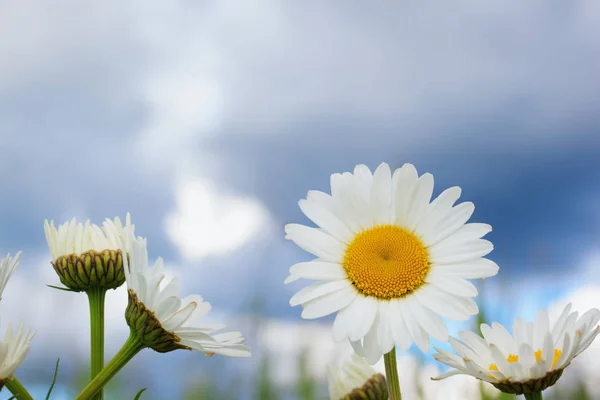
(163,321)
(355,379)
(389,261)
(13,350)
(7,268)
(529,360)
(88,256)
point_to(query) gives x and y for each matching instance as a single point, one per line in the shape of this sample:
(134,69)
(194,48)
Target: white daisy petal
(430,321)
(328,303)
(316,242)
(451,284)
(438,210)
(335,207)
(448,374)
(7,268)
(342,321)
(318,270)
(445,304)
(385,335)
(398,327)
(364,310)
(326,220)
(420,201)
(404,183)
(416,332)
(585,342)
(479,268)
(381,195)
(472,250)
(455,219)
(540,328)
(316,290)
(371,345)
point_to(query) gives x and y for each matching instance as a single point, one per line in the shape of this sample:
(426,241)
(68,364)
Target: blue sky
(152,109)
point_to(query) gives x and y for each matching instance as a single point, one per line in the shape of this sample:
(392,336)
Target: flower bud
(90,270)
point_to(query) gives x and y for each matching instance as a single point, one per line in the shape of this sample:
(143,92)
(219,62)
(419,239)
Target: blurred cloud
(206,222)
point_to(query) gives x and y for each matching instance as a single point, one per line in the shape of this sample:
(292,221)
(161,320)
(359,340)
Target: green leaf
(53,379)
(137,396)
(62,288)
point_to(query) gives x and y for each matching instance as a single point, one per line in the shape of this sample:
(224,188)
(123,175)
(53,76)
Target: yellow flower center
(555,358)
(512,358)
(557,354)
(386,262)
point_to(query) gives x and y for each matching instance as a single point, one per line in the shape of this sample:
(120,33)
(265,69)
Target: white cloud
(206,222)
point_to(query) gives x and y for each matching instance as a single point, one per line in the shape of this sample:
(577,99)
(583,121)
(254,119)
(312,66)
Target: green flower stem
(96,299)
(534,396)
(391,375)
(17,389)
(132,346)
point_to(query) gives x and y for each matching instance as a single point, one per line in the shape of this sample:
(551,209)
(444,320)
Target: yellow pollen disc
(492,367)
(386,262)
(512,358)
(557,354)
(538,355)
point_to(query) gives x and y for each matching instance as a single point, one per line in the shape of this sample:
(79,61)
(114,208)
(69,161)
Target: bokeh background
(209,120)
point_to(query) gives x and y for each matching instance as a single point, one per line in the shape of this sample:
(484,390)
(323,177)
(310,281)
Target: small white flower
(354,374)
(533,356)
(76,238)
(7,268)
(13,350)
(174,320)
(389,261)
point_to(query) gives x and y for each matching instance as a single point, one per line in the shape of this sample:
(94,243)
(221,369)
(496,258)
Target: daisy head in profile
(86,256)
(13,350)
(161,320)
(527,361)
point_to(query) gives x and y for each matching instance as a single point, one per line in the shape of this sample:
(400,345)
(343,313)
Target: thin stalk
(17,389)
(96,299)
(534,396)
(131,347)
(391,375)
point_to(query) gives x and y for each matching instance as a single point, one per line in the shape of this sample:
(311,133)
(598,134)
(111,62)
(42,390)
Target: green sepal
(53,379)
(137,396)
(62,288)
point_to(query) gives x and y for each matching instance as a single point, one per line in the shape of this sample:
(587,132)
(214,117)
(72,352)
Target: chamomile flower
(529,360)
(7,268)
(87,256)
(355,379)
(389,261)
(13,350)
(163,321)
